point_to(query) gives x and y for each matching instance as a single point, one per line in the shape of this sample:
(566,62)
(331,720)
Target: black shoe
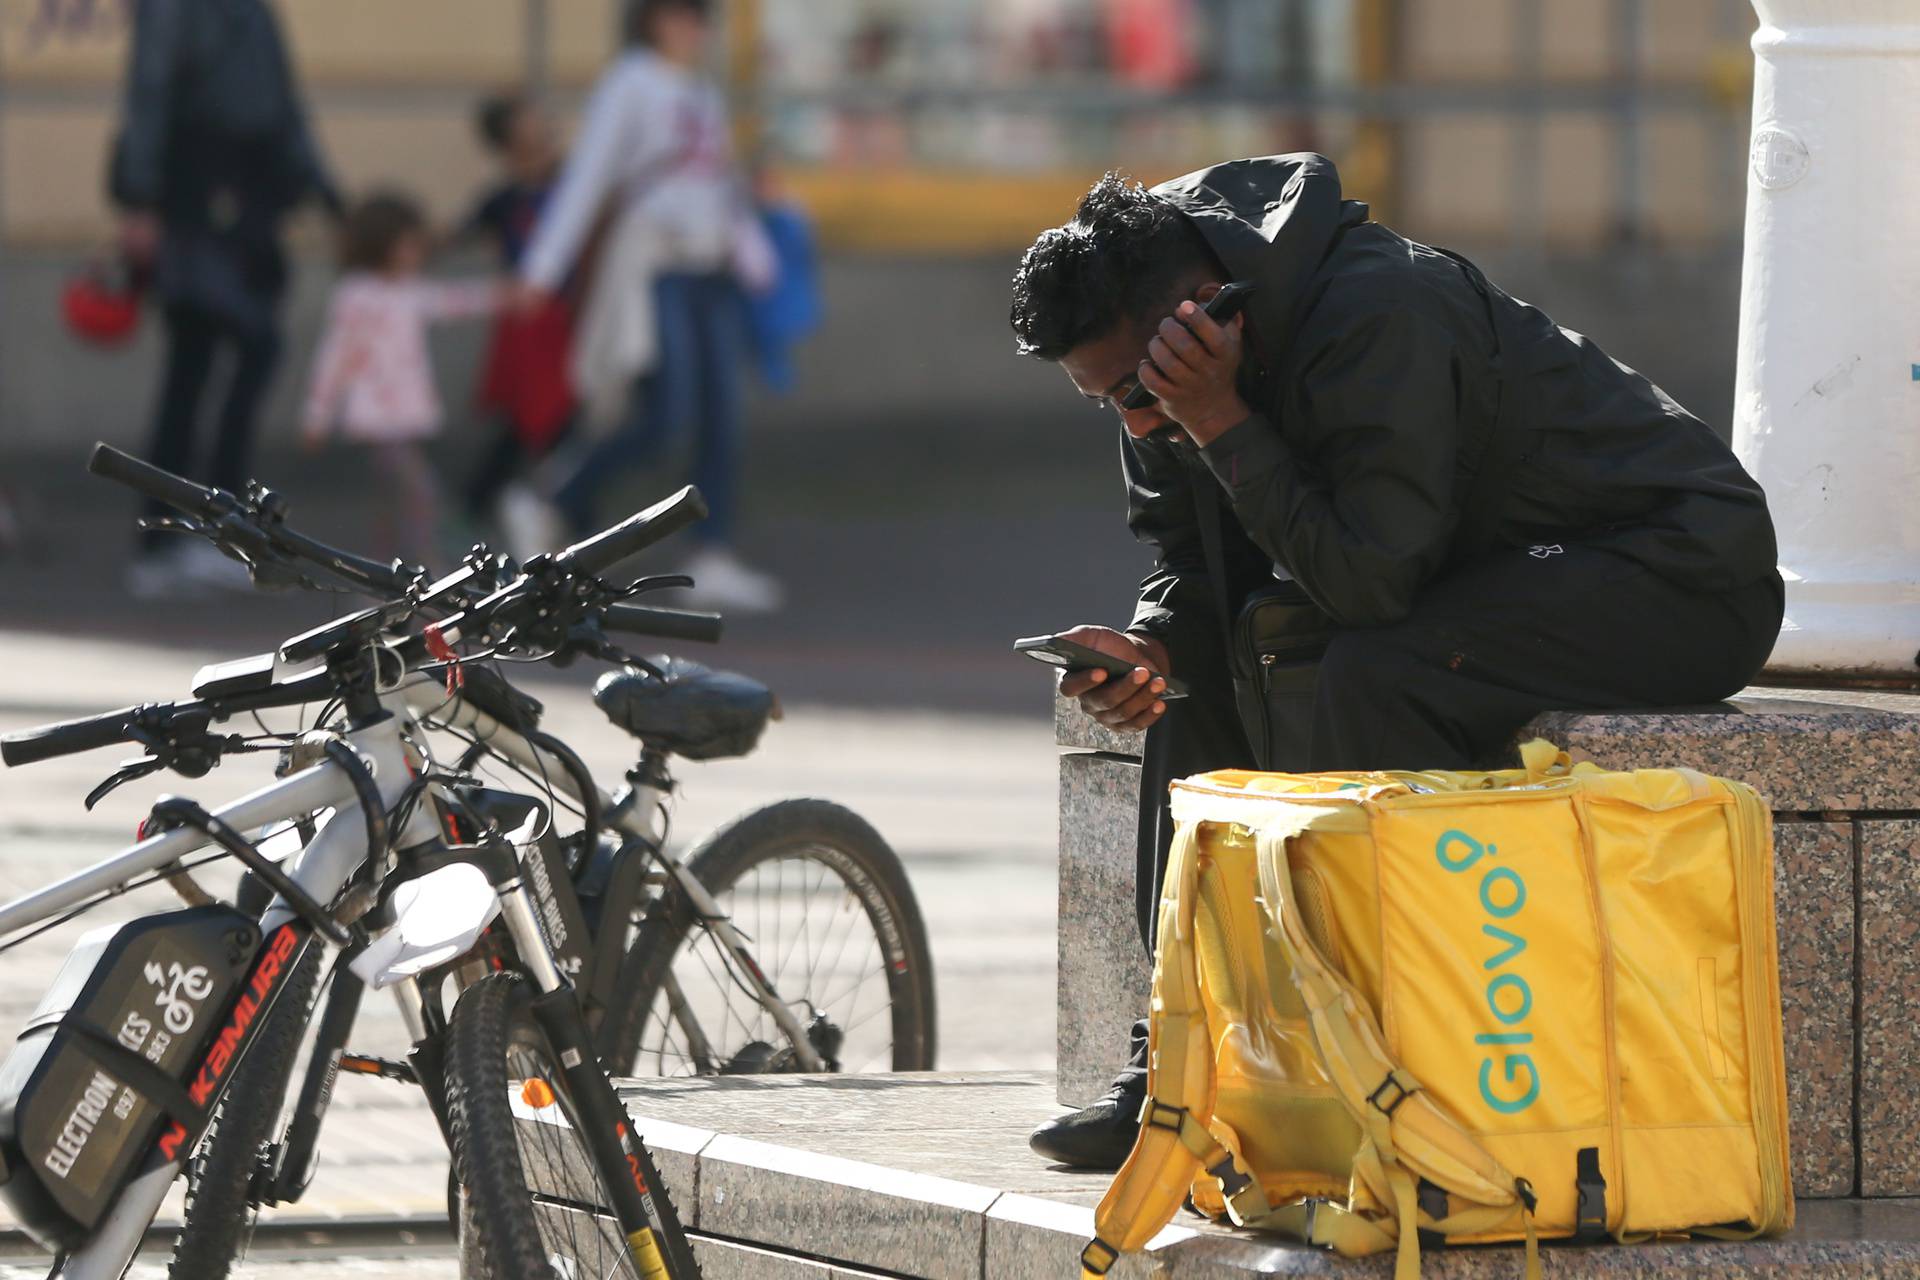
(1095,1137)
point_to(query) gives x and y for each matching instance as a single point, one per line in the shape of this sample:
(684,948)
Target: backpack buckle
(1098,1257)
(1158,1115)
(1401,1094)
(1244,1199)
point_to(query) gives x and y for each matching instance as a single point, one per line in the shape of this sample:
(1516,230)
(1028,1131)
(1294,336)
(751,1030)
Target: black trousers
(1484,650)
(194,340)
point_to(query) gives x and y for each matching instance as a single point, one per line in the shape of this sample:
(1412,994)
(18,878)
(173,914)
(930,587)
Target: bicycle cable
(120,890)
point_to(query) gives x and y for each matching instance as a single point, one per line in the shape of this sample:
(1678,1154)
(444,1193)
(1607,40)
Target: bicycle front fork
(656,1241)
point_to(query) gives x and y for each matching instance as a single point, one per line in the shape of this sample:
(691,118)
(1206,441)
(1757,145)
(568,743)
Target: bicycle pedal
(386,1068)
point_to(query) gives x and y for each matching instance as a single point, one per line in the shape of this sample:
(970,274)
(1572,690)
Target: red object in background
(1151,42)
(526,378)
(101,305)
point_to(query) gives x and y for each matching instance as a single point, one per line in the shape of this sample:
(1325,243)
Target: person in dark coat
(213,154)
(1481,515)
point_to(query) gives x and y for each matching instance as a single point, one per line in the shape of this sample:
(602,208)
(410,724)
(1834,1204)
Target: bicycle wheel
(824,907)
(220,1202)
(510,1110)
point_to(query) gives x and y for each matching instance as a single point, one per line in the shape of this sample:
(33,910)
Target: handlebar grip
(29,746)
(664,624)
(610,546)
(155,482)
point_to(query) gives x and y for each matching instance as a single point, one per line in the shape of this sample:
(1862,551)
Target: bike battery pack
(134,1007)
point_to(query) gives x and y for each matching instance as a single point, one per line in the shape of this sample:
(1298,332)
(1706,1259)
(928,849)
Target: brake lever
(175,524)
(586,637)
(129,771)
(656,582)
(240,540)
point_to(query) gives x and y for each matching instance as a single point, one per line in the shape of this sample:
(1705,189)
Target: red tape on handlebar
(438,647)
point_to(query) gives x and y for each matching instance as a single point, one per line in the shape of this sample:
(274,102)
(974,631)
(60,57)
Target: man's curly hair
(1118,260)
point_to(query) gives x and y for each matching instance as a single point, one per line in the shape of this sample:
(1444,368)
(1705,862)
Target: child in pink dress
(372,380)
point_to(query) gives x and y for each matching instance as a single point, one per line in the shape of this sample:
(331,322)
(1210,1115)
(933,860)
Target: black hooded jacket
(1374,372)
(213,115)
(215,143)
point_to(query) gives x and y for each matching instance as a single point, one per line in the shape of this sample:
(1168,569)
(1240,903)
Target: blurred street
(922,495)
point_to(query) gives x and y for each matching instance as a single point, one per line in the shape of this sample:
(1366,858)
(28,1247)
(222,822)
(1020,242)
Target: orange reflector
(536,1093)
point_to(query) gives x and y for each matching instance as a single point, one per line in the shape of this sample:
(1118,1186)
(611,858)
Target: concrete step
(928,1175)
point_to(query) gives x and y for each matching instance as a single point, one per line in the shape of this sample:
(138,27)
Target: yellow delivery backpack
(1471,1007)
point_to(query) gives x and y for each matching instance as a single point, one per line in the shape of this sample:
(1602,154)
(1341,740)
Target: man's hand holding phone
(1193,364)
(1129,703)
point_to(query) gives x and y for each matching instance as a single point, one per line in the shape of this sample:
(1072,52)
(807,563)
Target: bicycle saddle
(689,710)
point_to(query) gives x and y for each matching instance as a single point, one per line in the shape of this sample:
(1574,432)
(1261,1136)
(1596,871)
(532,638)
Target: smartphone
(1057,652)
(1221,307)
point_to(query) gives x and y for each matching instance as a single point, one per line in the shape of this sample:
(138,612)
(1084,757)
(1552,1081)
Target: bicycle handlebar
(665,624)
(156,483)
(257,530)
(69,737)
(44,742)
(634,534)
(381,579)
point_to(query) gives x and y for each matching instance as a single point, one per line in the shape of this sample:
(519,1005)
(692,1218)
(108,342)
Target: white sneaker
(721,582)
(156,575)
(205,565)
(178,570)
(528,522)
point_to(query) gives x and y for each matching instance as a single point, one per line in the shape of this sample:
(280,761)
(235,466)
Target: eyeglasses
(1129,395)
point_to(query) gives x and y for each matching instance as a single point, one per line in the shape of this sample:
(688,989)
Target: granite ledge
(1805,750)
(1076,730)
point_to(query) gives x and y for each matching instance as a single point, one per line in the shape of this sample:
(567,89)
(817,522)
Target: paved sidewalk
(967,800)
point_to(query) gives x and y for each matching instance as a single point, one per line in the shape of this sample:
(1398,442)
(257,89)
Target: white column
(1827,389)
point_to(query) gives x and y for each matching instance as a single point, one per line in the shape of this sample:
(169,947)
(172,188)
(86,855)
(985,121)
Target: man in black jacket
(1481,514)
(213,154)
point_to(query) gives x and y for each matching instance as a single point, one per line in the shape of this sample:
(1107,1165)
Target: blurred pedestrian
(524,383)
(213,154)
(663,305)
(372,380)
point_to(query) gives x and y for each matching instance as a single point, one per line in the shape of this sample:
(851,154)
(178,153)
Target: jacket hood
(1270,220)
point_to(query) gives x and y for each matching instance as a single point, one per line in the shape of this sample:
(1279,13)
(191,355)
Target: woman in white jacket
(663,304)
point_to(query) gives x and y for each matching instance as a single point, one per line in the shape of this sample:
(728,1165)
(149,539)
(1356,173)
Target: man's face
(1107,369)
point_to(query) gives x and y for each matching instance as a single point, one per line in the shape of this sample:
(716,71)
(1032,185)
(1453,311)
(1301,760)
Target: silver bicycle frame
(636,819)
(321,867)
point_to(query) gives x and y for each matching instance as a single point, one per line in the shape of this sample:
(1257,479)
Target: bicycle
(461,1059)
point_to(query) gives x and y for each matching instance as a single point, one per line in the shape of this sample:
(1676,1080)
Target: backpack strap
(1175,1142)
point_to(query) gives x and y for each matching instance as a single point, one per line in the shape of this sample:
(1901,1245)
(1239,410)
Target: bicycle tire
(492,1023)
(220,1208)
(870,871)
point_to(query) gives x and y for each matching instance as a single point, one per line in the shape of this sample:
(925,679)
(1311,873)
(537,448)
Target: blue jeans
(695,380)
